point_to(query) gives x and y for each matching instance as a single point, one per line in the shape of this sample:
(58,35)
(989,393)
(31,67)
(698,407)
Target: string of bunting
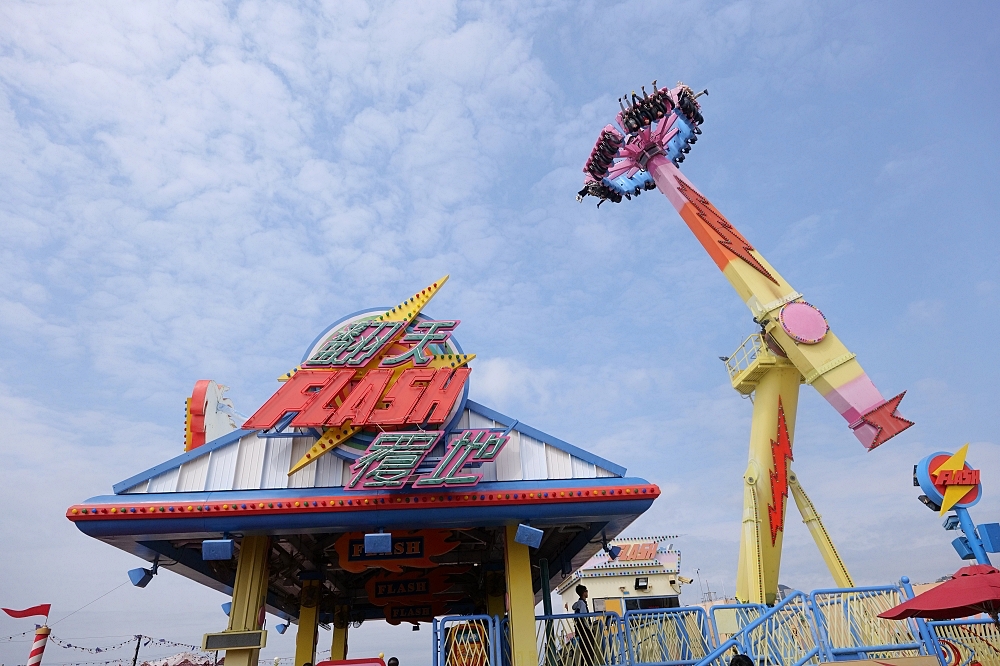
(146,640)
(5,639)
(121,661)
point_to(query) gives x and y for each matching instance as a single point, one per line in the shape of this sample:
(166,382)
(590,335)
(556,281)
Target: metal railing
(850,628)
(668,636)
(467,640)
(730,619)
(826,625)
(742,358)
(583,639)
(967,642)
(784,634)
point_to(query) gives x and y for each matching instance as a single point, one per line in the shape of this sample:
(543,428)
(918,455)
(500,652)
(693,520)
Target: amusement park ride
(795,344)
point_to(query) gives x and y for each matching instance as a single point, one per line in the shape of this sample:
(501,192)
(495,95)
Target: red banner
(40,609)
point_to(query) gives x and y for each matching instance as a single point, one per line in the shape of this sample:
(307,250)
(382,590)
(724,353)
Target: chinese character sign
(355,344)
(393,458)
(471,446)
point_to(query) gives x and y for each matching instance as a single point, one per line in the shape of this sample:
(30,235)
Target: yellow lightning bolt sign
(953,494)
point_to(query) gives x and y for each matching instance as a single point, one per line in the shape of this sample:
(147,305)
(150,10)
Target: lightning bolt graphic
(730,238)
(781,453)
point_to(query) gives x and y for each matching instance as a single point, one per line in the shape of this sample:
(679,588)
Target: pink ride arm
(826,364)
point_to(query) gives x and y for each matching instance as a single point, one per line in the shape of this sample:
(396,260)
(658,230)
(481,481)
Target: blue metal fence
(802,629)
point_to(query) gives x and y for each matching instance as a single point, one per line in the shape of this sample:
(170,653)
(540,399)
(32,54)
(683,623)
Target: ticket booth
(370,486)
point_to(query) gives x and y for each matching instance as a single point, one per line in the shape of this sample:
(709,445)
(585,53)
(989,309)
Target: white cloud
(195,190)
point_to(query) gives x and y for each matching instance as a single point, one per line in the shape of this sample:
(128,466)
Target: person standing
(584,629)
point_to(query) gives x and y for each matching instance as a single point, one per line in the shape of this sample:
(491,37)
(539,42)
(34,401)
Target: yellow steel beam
(307,633)
(811,518)
(521,601)
(249,592)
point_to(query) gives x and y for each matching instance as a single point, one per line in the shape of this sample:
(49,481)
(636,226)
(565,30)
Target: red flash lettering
(293,396)
(361,401)
(439,396)
(402,397)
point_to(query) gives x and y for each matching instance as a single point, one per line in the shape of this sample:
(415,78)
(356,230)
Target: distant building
(646,574)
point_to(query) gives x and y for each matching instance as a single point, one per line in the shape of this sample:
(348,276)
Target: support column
(521,601)
(841,577)
(305,637)
(249,592)
(776,399)
(496,599)
(338,648)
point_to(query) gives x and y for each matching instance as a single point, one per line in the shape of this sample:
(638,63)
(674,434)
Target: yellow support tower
(249,592)
(775,384)
(338,647)
(520,601)
(841,577)
(307,634)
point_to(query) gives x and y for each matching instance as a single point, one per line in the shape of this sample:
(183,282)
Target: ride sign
(387,372)
(392,459)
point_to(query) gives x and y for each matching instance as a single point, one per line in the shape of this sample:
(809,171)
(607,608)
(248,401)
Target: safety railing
(468,640)
(784,634)
(582,639)
(850,628)
(503,631)
(668,636)
(801,630)
(967,642)
(742,358)
(729,619)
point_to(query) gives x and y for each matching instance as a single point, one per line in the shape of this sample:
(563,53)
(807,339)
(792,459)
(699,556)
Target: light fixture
(642,583)
(280,628)
(612,551)
(929,503)
(217,549)
(141,577)
(528,536)
(226,607)
(378,543)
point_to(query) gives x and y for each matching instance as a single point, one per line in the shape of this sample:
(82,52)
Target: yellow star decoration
(953,494)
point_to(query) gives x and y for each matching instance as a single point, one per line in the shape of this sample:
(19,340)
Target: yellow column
(521,601)
(496,601)
(338,648)
(760,556)
(841,577)
(305,637)
(249,592)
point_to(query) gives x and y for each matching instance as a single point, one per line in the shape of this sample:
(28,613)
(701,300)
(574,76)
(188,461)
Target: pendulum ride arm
(659,129)
(838,569)
(826,364)
(795,344)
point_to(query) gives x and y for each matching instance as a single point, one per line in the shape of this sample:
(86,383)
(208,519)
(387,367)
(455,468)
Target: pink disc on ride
(803,322)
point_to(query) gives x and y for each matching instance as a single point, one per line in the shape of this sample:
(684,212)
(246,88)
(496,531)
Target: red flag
(40,609)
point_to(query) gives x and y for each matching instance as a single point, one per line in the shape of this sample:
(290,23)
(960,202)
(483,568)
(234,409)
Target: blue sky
(194,190)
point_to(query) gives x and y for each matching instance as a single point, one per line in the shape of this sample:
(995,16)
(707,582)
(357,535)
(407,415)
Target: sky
(193,190)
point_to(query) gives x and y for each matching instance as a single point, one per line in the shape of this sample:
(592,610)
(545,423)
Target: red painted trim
(143,510)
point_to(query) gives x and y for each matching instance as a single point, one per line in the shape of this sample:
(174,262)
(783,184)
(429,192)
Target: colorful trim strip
(337,503)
